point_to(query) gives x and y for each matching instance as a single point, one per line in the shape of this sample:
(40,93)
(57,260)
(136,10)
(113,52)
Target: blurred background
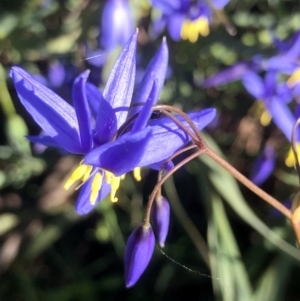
(224,243)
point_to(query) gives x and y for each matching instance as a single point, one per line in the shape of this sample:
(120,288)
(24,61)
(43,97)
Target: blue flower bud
(160,215)
(116,24)
(138,252)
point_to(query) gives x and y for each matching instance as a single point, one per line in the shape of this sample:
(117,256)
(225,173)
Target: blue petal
(254,84)
(219,4)
(55,116)
(158,26)
(282,63)
(83,204)
(121,155)
(282,116)
(158,165)
(160,216)
(270,82)
(106,122)
(168,138)
(138,252)
(56,74)
(45,140)
(94,97)
(119,87)
(294,49)
(263,167)
(233,73)
(116,24)
(166,6)
(82,111)
(157,70)
(175,25)
(144,115)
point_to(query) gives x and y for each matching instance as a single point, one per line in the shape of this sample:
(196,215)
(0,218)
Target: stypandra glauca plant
(140,245)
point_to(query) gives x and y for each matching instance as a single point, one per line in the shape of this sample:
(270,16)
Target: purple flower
(138,252)
(264,166)
(112,146)
(275,96)
(160,216)
(116,24)
(185,19)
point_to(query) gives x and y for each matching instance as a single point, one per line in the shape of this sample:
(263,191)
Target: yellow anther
(137,174)
(265,118)
(202,26)
(185,30)
(96,186)
(294,78)
(190,30)
(76,175)
(113,198)
(87,173)
(108,177)
(123,176)
(290,159)
(115,184)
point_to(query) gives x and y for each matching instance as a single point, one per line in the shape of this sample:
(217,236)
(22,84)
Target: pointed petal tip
(138,252)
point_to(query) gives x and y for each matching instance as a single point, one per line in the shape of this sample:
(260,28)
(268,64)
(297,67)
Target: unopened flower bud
(160,218)
(138,252)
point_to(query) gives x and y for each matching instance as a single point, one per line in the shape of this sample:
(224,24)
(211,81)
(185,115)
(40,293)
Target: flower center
(83,172)
(191,29)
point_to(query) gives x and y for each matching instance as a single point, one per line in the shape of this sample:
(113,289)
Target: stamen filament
(96,186)
(77,174)
(137,174)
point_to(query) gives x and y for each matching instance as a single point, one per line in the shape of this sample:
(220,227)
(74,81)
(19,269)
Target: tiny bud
(160,216)
(138,252)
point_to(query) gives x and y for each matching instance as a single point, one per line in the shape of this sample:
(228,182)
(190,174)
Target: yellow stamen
(193,33)
(115,184)
(294,78)
(290,159)
(108,177)
(123,176)
(190,30)
(137,174)
(265,118)
(96,186)
(202,26)
(86,175)
(185,30)
(77,174)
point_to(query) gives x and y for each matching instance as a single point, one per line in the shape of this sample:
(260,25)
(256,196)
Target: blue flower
(185,19)
(116,24)
(112,144)
(264,166)
(138,252)
(160,215)
(275,96)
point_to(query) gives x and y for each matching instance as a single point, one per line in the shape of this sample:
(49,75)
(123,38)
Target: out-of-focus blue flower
(160,216)
(234,73)
(116,24)
(185,19)
(111,147)
(264,166)
(274,96)
(138,252)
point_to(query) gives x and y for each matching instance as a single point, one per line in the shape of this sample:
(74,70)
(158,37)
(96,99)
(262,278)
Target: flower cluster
(114,133)
(185,19)
(273,82)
